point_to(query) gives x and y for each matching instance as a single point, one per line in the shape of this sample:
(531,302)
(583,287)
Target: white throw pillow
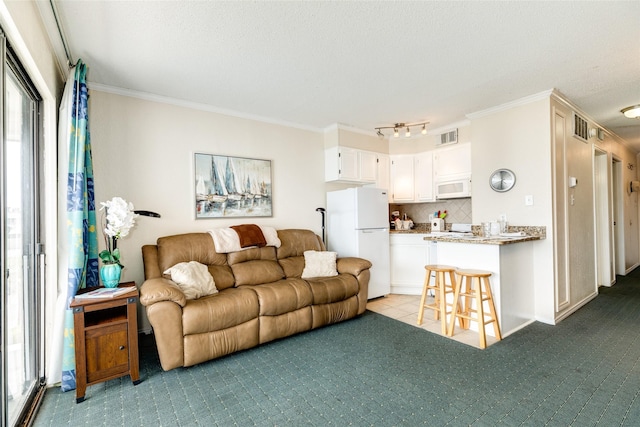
(319,264)
(193,278)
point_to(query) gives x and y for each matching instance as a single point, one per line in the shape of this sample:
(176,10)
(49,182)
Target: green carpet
(381,372)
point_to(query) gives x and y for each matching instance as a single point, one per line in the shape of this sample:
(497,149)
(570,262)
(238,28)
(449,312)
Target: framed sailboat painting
(228,186)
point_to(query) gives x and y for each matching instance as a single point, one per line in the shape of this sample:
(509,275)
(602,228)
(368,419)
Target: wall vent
(450,137)
(580,127)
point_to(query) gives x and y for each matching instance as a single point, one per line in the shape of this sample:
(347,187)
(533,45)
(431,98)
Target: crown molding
(196,106)
(507,106)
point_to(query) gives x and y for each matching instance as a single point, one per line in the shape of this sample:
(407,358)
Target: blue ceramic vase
(110,275)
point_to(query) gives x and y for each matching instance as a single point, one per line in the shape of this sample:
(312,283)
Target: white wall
(143,151)
(518,138)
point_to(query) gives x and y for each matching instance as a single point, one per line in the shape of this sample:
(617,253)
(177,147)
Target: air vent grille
(450,137)
(580,127)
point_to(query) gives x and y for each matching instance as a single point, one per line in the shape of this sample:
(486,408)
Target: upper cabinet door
(402,179)
(423,173)
(453,161)
(348,164)
(368,162)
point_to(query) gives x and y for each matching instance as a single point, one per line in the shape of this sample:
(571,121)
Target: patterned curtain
(81,212)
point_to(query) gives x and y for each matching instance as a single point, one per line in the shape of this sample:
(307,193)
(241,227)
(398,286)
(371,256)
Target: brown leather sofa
(261,297)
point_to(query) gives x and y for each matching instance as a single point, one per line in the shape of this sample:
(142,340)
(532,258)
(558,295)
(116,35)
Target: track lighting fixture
(396,129)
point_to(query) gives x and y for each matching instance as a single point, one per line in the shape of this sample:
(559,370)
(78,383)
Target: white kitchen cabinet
(409,254)
(350,165)
(452,162)
(402,179)
(423,177)
(383,179)
(412,178)
(368,166)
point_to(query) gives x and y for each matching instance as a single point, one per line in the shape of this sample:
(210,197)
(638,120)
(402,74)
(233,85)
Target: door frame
(605,271)
(617,223)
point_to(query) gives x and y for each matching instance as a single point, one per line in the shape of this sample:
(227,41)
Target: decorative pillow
(319,264)
(193,278)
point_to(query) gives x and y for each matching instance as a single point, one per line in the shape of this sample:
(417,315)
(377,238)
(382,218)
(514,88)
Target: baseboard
(630,269)
(406,290)
(576,307)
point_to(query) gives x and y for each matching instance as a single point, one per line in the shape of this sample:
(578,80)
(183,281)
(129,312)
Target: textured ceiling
(364,64)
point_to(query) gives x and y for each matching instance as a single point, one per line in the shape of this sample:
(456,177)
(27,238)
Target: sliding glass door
(20,303)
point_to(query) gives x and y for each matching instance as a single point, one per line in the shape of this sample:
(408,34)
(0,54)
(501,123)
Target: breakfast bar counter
(510,260)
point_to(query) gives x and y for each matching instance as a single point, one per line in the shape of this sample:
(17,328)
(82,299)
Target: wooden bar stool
(476,286)
(441,289)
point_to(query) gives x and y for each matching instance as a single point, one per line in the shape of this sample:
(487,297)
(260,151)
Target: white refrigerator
(358,226)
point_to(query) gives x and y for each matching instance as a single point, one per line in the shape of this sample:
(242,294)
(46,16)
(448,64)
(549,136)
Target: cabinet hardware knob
(121,347)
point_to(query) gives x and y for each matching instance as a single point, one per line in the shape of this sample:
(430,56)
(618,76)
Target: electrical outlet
(503,217)
(528,200)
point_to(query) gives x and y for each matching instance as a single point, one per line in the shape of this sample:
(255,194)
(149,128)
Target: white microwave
(453,188)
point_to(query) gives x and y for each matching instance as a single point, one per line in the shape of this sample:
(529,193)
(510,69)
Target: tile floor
(405,308)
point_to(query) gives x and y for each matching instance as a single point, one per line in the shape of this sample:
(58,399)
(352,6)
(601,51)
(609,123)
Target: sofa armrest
(161,289)
(352,265)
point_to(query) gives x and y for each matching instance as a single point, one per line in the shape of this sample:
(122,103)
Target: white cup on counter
(486,229)
(494,228)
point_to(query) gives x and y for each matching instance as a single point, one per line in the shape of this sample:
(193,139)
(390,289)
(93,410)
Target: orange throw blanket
(250,235)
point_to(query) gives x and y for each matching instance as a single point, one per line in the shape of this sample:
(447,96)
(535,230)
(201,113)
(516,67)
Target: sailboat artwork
(228,186)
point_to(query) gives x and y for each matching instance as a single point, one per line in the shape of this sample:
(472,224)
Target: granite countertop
(531,233)
(479,240)
(419,228)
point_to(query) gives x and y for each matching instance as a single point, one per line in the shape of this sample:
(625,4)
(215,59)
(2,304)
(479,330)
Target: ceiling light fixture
(632,112)
(396,129)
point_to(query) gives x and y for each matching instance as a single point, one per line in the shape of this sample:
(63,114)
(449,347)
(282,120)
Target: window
(20,251)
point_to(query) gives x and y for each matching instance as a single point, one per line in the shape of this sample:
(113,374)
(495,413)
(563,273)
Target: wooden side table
(106,339)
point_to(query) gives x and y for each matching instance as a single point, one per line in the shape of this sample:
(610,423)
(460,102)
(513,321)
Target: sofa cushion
(291,252)
(295,242)
(283,296)
(327,290)
(255,266)
(193,278)
(319,264)
(227,308)
(195,247)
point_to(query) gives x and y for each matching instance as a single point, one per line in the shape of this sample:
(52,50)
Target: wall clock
(502,180)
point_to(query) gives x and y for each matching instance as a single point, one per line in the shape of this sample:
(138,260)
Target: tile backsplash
(458,210)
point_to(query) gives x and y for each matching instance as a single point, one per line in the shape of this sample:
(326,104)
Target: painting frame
(231,187)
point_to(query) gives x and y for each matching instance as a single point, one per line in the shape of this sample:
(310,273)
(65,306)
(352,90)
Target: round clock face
(502,180)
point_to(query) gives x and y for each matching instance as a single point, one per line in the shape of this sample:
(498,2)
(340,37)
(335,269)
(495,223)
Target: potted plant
(119,220)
